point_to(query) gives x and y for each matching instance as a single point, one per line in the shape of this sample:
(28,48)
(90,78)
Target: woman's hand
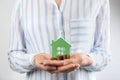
(76,61)
(42,59)
(82,59)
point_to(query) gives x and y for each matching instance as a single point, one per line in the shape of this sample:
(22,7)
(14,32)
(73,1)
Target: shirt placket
(61,24)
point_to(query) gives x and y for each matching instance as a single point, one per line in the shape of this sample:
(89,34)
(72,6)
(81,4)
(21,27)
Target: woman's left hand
(76,61)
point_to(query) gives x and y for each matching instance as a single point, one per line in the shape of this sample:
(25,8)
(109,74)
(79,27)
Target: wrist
(82,59)
(86,60)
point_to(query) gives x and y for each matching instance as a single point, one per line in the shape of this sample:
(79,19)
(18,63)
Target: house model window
(60,48)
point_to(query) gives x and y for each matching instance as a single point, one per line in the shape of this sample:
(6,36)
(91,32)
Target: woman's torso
(74,21)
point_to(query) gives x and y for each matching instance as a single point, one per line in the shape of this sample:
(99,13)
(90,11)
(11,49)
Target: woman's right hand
(41,59)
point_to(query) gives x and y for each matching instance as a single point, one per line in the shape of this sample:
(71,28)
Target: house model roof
(60,42)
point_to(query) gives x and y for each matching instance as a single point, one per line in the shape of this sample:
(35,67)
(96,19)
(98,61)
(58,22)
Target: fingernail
(74,65)
(44,63)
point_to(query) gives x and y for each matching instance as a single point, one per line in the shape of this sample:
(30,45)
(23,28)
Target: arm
(100,53)
(19,59)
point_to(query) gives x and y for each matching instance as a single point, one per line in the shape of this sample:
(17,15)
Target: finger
(70,61)
(74,68)
(53,63)
(66,68)
(47,68)
(41,61)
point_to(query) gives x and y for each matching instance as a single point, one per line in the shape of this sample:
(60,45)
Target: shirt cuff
(31,59)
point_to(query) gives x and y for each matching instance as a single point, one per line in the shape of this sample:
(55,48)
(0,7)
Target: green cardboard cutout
(60,47)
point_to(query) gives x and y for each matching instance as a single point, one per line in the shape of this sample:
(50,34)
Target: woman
(83,23)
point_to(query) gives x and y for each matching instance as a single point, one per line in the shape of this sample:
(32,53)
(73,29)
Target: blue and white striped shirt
(83,23)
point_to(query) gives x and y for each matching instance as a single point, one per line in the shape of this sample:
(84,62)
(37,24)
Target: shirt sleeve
(100,53)
(19,59)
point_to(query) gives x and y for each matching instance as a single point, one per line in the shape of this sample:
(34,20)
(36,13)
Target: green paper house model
(60,47)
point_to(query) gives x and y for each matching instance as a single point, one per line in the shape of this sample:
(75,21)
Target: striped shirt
(83,23)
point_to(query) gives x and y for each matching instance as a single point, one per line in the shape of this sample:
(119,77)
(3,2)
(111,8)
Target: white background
(112,72)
